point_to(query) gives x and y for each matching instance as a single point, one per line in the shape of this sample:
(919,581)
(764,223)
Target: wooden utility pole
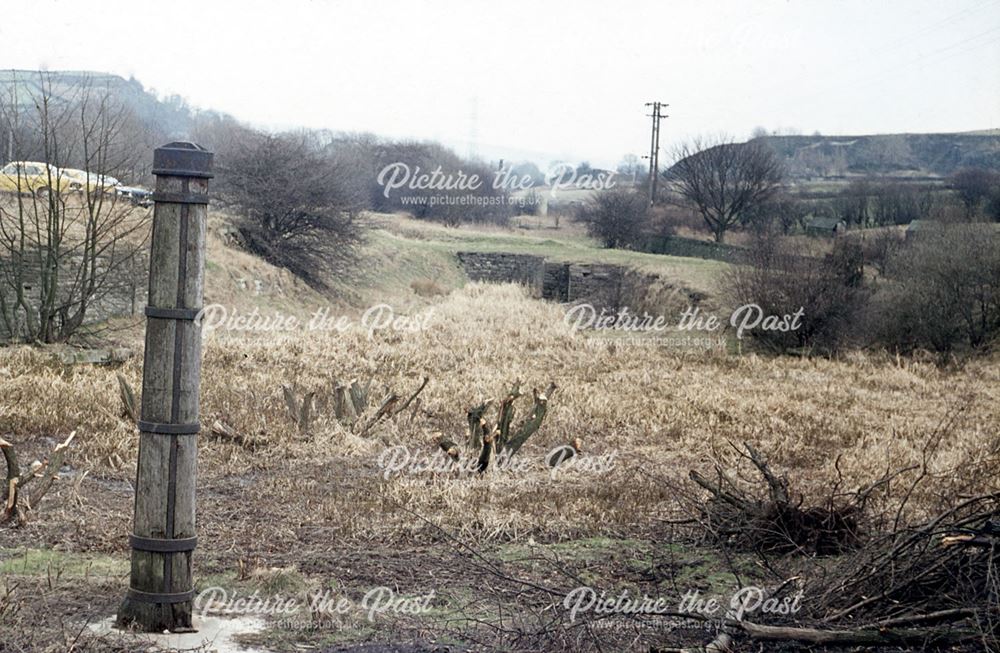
(654,148)
(163,540)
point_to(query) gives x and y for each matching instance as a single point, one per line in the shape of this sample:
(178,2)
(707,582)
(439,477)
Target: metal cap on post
(161,585)
(182,159)
(185,161)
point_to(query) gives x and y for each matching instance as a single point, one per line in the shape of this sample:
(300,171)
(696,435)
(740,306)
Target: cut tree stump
(17,480)
(503,440)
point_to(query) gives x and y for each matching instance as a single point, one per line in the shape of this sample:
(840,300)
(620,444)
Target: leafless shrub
(853,203)
(943,292)
(294,210)
(975,187)
(782,211)
(894,202)
(615,217)
(881,248)
(782,280)
(669,219)
(66,243)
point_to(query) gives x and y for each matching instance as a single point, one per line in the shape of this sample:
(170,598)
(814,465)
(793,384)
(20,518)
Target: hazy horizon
(564,80)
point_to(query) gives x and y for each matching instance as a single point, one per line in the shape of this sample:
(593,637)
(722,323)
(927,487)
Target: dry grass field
(290,510)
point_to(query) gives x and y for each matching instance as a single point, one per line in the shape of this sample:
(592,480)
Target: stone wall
(691,247)
(121,293)
(505,268)
(555,285)
(601,284)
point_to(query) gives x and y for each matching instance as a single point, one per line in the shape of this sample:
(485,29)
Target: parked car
(81,179)
(32,177)
(136,194)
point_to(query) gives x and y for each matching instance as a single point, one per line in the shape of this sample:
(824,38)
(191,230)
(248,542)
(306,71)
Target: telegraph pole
(654,147)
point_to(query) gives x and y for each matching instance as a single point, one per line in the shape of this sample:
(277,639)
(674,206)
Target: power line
(933,27)
(812,75)
(964,45)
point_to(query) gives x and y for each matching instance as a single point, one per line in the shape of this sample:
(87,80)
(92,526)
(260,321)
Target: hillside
(171,115)
(907,155)
(407,260)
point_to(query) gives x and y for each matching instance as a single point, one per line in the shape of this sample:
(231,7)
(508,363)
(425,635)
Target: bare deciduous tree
(944,293)
(974,187)
(894,202)
(630,166)
(66,241)
(782,210)
(852,204)
(881,248)
(782,279)
(723,179)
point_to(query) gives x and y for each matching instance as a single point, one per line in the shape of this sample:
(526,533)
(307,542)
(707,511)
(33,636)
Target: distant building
(819,226)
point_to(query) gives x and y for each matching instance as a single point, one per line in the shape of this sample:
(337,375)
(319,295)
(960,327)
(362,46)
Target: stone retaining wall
(122,293)
(600,284)
(505,268)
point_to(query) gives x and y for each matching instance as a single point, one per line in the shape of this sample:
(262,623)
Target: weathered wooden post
(162,587)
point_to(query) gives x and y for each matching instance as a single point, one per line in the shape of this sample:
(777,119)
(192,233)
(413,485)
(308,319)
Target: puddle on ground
(215,634)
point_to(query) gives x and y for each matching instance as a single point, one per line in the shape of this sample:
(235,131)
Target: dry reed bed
(661,411)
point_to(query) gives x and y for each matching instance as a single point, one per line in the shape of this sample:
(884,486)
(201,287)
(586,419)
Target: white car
(79,179)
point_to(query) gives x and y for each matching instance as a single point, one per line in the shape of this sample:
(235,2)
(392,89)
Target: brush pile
(772,520)
(872,582)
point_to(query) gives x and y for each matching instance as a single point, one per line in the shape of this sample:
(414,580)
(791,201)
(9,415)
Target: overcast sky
(549,79)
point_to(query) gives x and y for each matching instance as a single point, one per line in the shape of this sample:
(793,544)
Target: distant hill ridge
(887,154)
(171,115)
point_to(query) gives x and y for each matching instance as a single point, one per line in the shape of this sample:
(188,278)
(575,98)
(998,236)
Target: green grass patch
(408,248)
(586,549)
(43,562)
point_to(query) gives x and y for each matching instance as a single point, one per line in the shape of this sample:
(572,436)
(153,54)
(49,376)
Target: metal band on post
(172,313)
(162,546)
(169,429)
(180,198)
(160,597)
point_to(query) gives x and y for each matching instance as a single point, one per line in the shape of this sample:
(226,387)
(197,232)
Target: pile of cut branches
(932,585)
(935,586)
(773,520)
(935,583)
